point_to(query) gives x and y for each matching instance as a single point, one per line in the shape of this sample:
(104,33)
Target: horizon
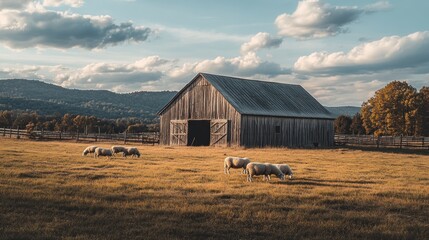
(340,52)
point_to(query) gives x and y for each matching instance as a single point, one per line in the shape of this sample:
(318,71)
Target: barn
(215,110)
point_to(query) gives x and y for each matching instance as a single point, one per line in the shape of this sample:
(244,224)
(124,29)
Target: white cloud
(245,66)
(14,4)
(56,3)
(259,41)
(38,27)
(23,4)
(314,19)
(388,53)
(113,76)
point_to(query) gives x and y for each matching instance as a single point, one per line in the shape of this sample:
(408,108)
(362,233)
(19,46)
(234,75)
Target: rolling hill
(49,99)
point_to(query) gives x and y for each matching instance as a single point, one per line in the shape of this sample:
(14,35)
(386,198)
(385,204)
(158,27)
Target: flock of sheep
(109,152)
(249,168)
(255,168)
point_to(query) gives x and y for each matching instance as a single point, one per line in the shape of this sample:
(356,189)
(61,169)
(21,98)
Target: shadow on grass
(324,183)
(424,152)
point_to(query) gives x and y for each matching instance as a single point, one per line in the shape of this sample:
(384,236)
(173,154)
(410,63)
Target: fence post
(10,132)
(125,137)
(61,134)
(42,133)
(378,141)
(18,137)
(400,142)
(423,142)
(77,135)
(4,132)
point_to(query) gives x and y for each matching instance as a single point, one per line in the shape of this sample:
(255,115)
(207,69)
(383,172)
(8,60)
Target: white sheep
(103,152)
(118,149)
(235,162)
(90,149)
(131,151)
(286,170)
(265,169)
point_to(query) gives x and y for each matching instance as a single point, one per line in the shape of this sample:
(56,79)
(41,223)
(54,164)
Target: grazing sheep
(131,151)
(90,149)
(265,169)
(103,152)
(286,170)
(118,149)
(235,162)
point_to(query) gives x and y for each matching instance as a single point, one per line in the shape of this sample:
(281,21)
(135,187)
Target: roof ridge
(247,79)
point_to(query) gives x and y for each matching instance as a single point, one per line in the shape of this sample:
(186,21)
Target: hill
(48,99)
(344,110)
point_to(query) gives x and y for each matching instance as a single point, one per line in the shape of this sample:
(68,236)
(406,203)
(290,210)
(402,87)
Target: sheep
(118,149)
(103,152)
(265,169)
(131,151)
(235,162)
(286,170)
(90,149)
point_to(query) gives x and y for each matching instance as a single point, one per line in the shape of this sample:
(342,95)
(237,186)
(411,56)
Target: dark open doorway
(198,132)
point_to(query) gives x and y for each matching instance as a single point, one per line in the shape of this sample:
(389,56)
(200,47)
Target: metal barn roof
(253,97)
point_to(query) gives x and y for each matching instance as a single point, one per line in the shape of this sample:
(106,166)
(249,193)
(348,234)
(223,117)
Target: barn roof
(253,97)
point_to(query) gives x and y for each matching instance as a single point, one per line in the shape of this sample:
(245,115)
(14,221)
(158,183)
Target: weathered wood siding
(200,101)
(260,131)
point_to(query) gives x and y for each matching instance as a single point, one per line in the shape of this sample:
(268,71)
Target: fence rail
(143,138)
(401,142)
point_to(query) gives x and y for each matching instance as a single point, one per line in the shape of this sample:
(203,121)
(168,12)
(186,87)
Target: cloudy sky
(341,51)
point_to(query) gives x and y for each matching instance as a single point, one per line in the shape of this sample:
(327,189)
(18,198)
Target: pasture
(49,191)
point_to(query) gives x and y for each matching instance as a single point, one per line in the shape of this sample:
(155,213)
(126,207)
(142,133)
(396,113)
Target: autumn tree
(356,126)
(342,124)
(392,111)
(423,120)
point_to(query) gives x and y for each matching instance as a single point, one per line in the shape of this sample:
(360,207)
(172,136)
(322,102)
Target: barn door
(179,132)
(219,132)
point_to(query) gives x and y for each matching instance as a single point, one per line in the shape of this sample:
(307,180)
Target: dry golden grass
(49,191)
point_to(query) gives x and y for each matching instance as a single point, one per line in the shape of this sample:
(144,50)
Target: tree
(6,119)
(392,111)
(342,124)
(423,121)
(357,124)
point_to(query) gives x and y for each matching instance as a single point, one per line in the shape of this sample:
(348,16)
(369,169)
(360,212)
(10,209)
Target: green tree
(342,124)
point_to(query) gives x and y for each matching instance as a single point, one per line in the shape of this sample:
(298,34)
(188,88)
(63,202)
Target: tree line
(397,109)
(73,123)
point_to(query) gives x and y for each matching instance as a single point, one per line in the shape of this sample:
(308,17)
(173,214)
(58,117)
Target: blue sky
(340,51)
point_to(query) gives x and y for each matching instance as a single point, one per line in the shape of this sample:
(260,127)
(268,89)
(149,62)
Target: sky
(341,51)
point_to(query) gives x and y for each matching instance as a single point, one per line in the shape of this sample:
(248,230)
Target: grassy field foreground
(49,191)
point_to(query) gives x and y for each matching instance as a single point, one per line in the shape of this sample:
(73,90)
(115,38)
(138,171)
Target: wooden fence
(401,142)
(143,138)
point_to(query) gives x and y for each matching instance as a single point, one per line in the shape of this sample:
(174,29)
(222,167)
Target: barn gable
(214,110)
(252,97)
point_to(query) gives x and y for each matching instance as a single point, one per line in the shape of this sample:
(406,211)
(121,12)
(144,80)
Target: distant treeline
(74,123)
(395,110)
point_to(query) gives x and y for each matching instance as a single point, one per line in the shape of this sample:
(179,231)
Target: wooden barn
(214,110)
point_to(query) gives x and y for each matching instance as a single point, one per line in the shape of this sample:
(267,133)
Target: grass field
(49,191)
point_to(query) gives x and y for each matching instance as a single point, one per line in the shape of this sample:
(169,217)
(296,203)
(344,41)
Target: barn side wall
(200,101)
(260,131)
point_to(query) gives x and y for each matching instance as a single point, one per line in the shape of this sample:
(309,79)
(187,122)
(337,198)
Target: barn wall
(200,101)
(260,131)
